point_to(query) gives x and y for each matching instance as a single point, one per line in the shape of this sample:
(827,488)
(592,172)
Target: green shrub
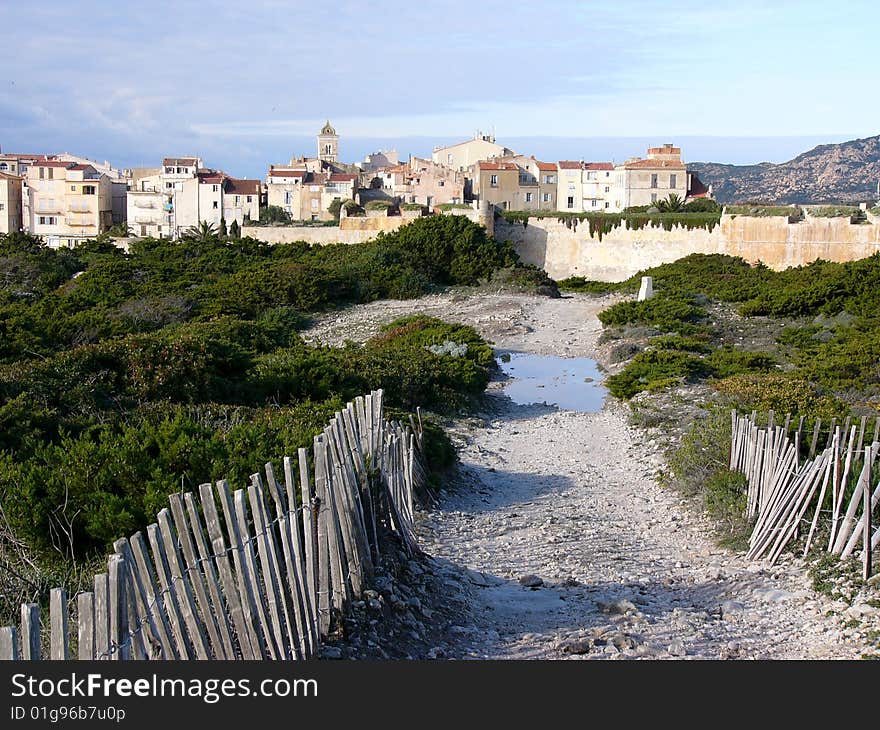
(655,369)
(672,315)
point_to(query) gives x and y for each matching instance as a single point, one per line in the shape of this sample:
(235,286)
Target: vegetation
(127,376)
(792,212)
(603,223)
(670,204)
(274,214)
(379,205)
(833,211)
(454,206)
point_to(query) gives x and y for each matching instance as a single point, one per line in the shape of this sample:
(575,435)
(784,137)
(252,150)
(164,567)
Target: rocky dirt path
(567,503)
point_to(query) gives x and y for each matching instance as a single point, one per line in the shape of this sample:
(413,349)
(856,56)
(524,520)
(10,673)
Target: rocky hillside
(838,173)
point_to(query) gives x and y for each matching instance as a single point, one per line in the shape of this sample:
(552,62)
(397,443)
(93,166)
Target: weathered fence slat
(221,561)
(250,565)
(221,610)
(192,574)
(85,623)
(172,643)
(58,641)
(102,616)
(120,640)
(9,644)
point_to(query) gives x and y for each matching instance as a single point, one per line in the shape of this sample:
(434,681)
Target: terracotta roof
(548,166)
(286,172)
(598,166)
(211,177)
(185,161)
(7,176)
(54,163)
(243,187)
(648,164)
(570,165)
(81,167)
(483,165)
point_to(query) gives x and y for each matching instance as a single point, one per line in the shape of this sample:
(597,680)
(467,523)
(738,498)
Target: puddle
(569,383)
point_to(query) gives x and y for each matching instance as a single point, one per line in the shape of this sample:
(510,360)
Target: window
(549,179)
(42,173)
(546,197)
(47,220)
(504,205)
(215,188)
(314,204)
(169,185)
(653,197)
(654,180)
(593,203)
(88,189)
(528,197)
(169,170)
(3,167)
(493,181)
(250,198)
(238,200)
(2,206)
(607,205)
(328,149)
(672,181)
(73,188)
(449,158)
(570,201)
(179,170)
(287,198)
(441,183)
(591,175)
(215,205)
(607,189)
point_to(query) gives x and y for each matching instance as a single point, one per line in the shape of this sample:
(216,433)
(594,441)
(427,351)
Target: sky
(246,84)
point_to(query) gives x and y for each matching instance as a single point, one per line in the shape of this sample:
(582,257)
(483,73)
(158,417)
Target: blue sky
(244,84)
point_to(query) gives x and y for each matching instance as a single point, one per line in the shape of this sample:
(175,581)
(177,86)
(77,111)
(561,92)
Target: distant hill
(838,173)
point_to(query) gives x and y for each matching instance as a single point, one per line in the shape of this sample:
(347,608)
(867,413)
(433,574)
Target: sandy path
(628,569)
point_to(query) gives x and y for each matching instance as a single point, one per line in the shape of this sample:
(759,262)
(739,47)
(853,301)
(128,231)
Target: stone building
(164,202)
(464,155)
(10,203)
(66,203)
(420,181)
(657,176)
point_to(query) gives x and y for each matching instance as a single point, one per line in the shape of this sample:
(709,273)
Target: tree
(223,232)
(204,232)
(274,214)
(235,230)
(672,204)
(334,207)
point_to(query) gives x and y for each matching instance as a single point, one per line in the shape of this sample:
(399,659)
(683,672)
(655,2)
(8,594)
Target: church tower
(328,144)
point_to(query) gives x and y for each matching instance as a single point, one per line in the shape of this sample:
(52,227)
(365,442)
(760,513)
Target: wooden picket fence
(784,485)
(265,576)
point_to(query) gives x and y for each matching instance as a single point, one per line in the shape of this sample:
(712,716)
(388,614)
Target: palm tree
(672,204)
(204,232)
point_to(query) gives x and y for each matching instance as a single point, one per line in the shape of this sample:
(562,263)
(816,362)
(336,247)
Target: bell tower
(328,144)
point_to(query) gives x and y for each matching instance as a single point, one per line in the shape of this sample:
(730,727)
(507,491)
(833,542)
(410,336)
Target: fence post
(30,632)
(8,643)
(120,641)
(58,644)
(85,621)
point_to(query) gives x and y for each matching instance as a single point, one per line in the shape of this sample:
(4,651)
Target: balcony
(79,221)
(80,207)
(44,208)
(138,203)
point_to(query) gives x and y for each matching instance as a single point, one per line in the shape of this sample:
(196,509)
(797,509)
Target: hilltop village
(67,199)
